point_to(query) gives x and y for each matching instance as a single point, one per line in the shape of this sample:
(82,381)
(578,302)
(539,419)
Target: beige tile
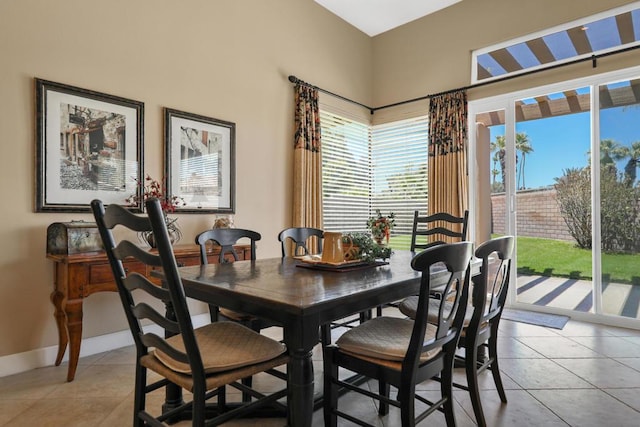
(588,408)
(632,362)
(541,374)
(12,408)
(120,356)
(558,347)
(98,381)
(516,329)
(521,410)
(610,346)
(512,348)
(603,373)
(629,396)
(33,384)
(82,412)
(575,328)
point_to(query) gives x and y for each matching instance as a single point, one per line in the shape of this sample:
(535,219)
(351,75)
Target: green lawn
(547,257)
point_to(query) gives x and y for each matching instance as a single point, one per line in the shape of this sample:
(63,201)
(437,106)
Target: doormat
(541,319)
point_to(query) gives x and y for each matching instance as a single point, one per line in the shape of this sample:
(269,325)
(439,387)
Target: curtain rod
(294,79)
(592,58)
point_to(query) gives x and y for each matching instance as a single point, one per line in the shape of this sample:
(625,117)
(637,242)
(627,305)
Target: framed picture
(89,145)
(200,162)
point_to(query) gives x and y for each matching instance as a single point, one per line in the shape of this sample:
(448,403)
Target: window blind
(399,164)
(346,173)
(365,168)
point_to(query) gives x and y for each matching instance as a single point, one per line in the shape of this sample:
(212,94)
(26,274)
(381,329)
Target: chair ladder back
(438,224)
(456,259)
(300,236)
(491,286)
(170,294)
(226,238)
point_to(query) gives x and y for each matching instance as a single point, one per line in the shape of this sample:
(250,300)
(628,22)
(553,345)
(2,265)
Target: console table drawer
(101,273)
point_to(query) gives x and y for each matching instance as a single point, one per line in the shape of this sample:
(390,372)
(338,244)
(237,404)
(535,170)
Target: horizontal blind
(399,162)
(346,173)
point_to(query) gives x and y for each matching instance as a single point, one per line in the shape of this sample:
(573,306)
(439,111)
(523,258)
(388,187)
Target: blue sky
(563,142)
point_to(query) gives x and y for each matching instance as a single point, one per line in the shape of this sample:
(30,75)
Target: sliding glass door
(557,168)
(552,144)
(619,207)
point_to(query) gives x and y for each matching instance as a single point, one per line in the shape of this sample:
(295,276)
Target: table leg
(57,298)
(73,314)
(300,384)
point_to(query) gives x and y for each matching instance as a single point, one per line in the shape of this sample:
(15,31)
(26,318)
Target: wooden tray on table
(316,263)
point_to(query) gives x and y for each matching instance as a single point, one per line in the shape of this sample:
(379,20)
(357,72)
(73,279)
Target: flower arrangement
(367,249)
(153,188)
(381,226)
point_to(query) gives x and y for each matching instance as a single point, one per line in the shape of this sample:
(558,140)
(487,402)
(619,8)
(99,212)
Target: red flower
(152,188)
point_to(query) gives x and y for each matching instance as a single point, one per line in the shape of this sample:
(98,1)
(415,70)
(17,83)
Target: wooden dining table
(301,299)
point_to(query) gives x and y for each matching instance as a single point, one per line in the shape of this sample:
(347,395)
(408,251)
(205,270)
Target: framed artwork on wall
(89,145)
(200,162)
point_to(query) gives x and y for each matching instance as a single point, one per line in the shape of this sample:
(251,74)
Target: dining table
(301,297)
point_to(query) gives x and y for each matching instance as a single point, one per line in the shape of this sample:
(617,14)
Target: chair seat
(213,381)
(385,338)
(225,346)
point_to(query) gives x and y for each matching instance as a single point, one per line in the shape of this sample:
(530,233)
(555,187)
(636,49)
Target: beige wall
(226,59)
(433,54)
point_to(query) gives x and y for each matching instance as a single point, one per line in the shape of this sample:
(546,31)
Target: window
(601,33)
(346,173)
(365,168)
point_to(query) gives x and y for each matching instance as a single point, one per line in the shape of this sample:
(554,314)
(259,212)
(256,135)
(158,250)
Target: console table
(79,275)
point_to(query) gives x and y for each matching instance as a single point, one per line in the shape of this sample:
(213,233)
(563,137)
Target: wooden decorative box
(68,238)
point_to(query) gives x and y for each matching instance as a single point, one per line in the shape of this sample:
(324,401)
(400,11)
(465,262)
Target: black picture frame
(89,145)
(200,162)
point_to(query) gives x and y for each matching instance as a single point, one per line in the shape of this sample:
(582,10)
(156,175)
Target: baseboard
(41,357)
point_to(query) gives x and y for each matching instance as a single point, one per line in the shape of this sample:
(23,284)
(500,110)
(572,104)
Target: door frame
(507,102)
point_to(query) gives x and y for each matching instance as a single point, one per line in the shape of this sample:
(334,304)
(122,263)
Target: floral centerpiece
(381,226)
(153,188)
(364,248)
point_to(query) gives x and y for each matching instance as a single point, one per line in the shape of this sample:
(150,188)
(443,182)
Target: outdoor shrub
(573,194)
(619,212)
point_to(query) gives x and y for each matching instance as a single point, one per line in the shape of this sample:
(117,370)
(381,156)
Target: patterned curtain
(307,168)
(448,172)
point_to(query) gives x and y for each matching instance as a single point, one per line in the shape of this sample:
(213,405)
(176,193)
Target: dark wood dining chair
(202,361)
(480,330)
(299,238)
(227,238)
(405,352)
(429,230)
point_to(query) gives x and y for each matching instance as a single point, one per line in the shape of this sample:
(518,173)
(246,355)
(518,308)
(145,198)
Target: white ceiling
(377,16)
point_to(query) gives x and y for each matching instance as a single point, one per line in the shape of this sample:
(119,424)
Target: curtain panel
(448,189)
(307,163)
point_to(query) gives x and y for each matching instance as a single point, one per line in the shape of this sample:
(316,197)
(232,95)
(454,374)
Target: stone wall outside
(538,214)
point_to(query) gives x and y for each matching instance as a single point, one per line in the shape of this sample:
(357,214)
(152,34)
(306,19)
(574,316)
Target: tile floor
(583,375)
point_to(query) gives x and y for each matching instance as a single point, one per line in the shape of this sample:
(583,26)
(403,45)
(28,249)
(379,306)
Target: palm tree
(633,153)
(610,152)
(497,147)
(524,147)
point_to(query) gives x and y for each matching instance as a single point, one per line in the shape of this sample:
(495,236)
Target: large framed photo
(200,162)
(89,145)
